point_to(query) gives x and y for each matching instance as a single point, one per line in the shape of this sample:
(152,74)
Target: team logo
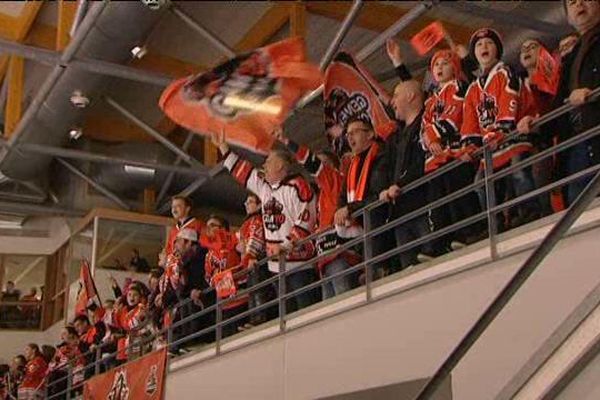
(273,216)
(152,381)
(120,388)
(339,108)
(487,111)
(232,87)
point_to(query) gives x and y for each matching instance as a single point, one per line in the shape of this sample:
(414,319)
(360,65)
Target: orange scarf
(356,184)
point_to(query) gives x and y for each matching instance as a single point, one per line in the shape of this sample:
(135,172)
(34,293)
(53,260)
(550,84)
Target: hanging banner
(247,97)
(87,295)
(428,38)
(142,379)
(351,91)
(547,72)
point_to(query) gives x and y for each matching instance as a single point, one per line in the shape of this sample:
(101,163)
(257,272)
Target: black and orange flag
(247,96)
(547,72)
(87,294)
(428,38)
(351,91)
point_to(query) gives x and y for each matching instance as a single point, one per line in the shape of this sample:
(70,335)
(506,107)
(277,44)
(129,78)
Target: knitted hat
(486,33)
(452,58)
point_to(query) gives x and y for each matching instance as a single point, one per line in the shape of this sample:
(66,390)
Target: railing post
(69,382)
(170,336)
(367,252)
(98,360)
(282,291)
(218,320)
(490,198)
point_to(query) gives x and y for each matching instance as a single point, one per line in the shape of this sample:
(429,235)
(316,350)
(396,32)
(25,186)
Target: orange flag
(142,379)
(547,72)
(247,96)
(428,38)
(351,91)
(87,294)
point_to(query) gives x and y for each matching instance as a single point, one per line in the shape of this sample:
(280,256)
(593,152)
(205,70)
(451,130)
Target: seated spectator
(4,381)
(138,263)
(31,312)
(48,352)
(33,384)
(407,163)
(9,314)
(490,112)
(224,271)
(289,214)
(366,178)
(325,167)
(11,293)
(16,374)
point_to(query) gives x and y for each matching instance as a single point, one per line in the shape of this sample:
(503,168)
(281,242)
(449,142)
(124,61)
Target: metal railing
(364,240)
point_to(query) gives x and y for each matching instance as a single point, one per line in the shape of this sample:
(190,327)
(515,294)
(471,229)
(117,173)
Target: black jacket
(588,115)
(406,164)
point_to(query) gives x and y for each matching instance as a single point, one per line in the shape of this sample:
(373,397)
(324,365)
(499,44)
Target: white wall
(406,336)
(58,231)
(14,342)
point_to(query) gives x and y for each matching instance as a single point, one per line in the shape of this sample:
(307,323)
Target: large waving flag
(87,294)
(351,90)
(247,96)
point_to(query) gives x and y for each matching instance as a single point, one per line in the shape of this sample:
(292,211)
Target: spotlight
(79,100)
(139,51)
(75,133)
(154,4)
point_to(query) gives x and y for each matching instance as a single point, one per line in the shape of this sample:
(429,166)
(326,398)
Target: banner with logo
(547,72)
(87,294)
(428,38)
(247,96)
(142,379)
(351,91)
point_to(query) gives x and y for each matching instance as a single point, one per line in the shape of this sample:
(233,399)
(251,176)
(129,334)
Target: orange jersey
(442,119)
(329,180)
(252,239)
(35,373)
(491,109)
(190,223)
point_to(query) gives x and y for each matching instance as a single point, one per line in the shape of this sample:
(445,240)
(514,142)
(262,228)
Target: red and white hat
(452,58)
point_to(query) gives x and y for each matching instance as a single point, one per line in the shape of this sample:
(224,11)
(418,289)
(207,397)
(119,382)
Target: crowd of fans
(17,310)
(477,101)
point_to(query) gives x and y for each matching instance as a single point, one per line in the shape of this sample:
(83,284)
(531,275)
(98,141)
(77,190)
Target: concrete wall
(586,386)
(14,342)
(406,336)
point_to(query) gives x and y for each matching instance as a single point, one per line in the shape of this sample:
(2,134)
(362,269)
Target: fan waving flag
(351,91)
(247,97)
(547,72)
(87,294)
(428,38)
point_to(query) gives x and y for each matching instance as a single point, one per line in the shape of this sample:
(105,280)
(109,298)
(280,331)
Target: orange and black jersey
(491,109)
(442,120)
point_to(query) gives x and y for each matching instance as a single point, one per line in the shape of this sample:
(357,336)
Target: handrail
(568,218)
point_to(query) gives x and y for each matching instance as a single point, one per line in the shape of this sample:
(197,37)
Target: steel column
(169,180)
(155,134)
(205,33)
(94,184)
(376,43)
(490,199)
(511,288)
(53,58)
(82,8)
(341,34)
(95,245)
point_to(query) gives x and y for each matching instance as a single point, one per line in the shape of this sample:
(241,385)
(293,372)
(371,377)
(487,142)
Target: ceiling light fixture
(79,100)
(139,51)
(154,4)
(75,133)
(135,170)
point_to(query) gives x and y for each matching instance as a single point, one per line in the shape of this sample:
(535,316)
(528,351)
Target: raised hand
(393,51)
(218,139)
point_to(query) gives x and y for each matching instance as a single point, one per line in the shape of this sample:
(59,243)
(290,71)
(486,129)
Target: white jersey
(289,209)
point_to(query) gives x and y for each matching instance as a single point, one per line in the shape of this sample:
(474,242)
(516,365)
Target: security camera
(79,100)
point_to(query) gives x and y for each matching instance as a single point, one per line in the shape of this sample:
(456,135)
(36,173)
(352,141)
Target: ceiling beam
(268,25)
(377,17)
(14,96)
(298,19)
(20,28)
(66,16)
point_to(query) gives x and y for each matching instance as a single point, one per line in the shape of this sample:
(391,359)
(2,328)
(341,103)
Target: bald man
(407,162)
